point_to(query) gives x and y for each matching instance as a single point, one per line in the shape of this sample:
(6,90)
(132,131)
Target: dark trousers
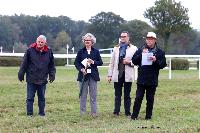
(150,92)
(118,93)
(31,90)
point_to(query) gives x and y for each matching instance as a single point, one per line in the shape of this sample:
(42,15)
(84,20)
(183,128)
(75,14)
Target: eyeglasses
(123,36)
(87,40)
(40,42)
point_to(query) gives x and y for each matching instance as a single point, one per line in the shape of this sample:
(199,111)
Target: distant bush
(16,61)
(60,62)
(180,64)
(10,61)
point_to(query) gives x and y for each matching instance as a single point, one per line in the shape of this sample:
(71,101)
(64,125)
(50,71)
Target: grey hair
(89,35)
(42,37)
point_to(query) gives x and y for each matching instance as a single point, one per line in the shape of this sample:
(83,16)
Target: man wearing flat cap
(149,59)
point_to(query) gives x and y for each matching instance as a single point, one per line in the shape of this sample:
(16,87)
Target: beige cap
(151,35)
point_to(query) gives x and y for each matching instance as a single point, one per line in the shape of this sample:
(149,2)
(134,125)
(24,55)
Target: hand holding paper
(84,62)
(146,59)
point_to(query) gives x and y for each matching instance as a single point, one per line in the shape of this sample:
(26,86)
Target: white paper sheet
(84,62)
(146,59)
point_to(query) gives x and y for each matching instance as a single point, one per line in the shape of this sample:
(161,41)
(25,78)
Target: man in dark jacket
(150,59)
(38,63)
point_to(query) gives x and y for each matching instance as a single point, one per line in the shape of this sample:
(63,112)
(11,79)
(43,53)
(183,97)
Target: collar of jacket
(129,44)
(153,50)
(34,45)
(86,49)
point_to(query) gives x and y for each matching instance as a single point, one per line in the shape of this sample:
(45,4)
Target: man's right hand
(109,79)
(145,50)
(21,78)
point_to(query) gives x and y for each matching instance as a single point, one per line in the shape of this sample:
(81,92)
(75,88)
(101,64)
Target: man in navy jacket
(147,74)
(38,64)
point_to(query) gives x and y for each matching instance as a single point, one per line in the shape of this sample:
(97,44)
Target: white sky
(85,9)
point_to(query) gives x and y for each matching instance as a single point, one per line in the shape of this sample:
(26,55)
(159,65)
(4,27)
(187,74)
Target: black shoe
(147,118)
(41,114)
(116,113)
(128,114)
(30,116)
(133,118)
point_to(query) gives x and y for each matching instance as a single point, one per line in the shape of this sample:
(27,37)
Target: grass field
(177,105)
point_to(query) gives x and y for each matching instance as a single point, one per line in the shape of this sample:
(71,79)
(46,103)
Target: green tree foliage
(75,29)
(168,17)
(20,48)
(182,43)
(137,30)
(20,30)
(24,29)
(196,45)
(79,31)
(47,24)
(6,33)
(16,33)
(28,27)
(106,28)
(50,40)
(61,41)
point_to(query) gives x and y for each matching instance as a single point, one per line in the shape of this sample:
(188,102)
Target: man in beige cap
(150,59)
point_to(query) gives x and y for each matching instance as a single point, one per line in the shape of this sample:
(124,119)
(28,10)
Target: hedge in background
(60,62)
(16,61)
(10,61)
(180,64)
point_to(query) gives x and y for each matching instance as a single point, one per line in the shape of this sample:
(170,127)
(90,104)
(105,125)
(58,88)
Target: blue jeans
(31,90)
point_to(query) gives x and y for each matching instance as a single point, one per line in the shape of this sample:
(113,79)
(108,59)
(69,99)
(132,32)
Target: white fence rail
(68,56)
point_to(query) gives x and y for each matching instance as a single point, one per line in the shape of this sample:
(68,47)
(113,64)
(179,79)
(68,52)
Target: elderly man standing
(121,72)
(150,59)
(38,64)
(88,72)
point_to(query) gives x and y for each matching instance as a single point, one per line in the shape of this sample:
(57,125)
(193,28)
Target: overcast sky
(85,9)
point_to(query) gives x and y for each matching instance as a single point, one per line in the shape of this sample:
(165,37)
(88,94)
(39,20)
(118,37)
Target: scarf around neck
(122,50)
(34,45)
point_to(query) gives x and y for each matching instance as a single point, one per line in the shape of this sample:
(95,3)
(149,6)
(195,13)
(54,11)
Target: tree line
(168,19)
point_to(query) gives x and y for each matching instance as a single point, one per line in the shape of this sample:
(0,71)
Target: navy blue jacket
(148,74)
(37,66)
(95,56)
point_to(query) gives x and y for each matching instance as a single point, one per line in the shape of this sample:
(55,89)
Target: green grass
(177,105)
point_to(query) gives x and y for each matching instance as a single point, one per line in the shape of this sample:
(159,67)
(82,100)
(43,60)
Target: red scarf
(34,45)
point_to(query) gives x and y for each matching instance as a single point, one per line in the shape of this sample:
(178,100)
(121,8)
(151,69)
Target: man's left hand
(51,79)
(153,58)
